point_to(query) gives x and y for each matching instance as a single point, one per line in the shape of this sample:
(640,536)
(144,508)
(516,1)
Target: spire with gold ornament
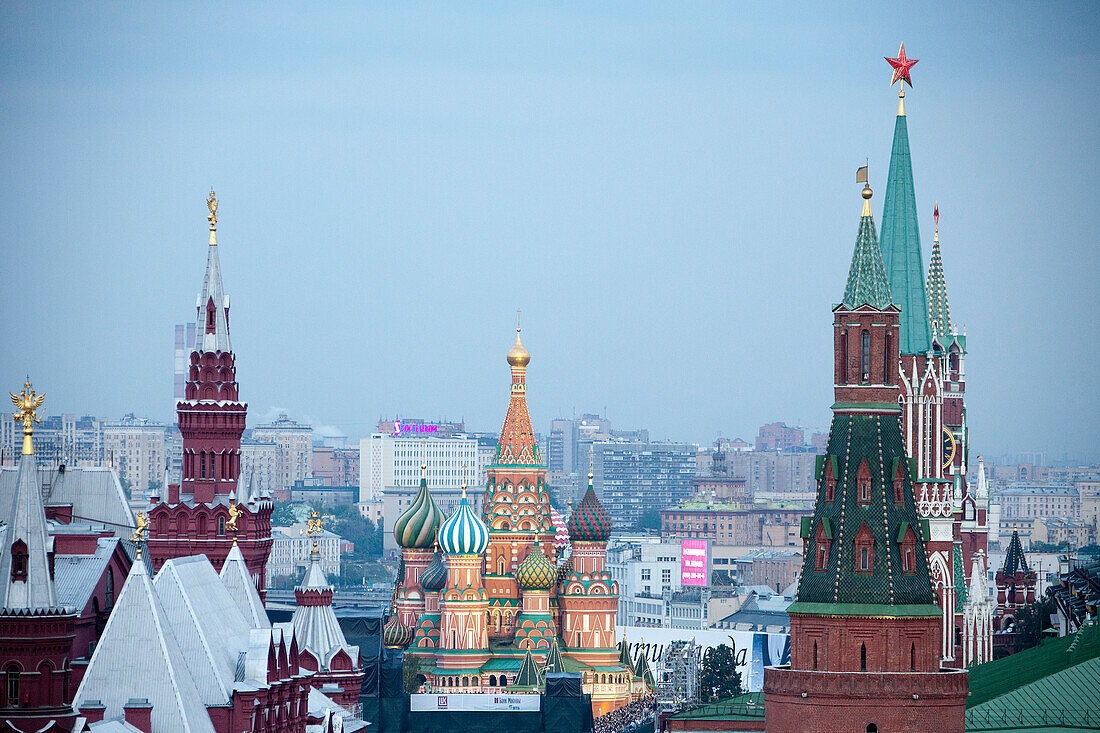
(516,506)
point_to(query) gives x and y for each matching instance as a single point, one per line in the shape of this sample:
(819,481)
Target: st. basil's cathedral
(487,602)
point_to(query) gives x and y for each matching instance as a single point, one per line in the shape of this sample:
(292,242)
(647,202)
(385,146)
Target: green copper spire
(939,315)
(867,283)
(901,251)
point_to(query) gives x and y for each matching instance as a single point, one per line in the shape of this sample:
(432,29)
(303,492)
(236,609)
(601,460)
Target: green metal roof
(995,679)
(1067,700)
(749,706)
(915,610)
(901,251)
(867,283)
(875,439)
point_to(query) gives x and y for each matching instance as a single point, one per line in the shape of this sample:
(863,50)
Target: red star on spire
(901,66)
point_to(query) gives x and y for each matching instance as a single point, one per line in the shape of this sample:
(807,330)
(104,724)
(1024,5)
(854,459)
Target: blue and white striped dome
(463,533)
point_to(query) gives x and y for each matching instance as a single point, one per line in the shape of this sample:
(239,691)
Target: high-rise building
(59,439)
(260,465)
(294,444)
(185,337)
(209,511)
(389,462)
(865,617)
(336,466)
(138,450)
(632,476)
(780,436)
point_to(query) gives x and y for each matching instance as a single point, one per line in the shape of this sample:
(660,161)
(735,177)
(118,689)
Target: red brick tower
(36,630)
(865,630)
(196,518)
(1015,583)
(517,504)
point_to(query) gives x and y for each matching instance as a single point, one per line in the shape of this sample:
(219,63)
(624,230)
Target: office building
(294,441)
(136,447)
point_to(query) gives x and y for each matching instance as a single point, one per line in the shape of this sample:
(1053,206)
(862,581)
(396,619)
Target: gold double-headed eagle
(26,405)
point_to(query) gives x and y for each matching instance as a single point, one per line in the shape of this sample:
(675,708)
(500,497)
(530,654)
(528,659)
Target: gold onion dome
(434,576)
(518,355)
(417,526)
(536,572)
(395,634)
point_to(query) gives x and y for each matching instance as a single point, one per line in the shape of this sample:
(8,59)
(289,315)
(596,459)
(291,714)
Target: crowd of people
(627,717)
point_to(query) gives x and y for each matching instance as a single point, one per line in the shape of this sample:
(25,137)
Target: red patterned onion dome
(536,572)
(395,634)
(434,576)
(590,522)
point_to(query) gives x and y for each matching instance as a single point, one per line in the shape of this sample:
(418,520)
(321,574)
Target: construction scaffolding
(678,674)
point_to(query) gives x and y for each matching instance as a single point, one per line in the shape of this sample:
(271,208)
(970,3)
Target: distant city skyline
(666,194)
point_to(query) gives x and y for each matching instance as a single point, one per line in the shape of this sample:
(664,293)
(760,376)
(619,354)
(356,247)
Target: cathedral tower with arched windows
(212,507)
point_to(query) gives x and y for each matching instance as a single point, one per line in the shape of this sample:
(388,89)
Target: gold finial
(314,525)
(590,474)
(212,204)
(861,177)
(231,525)
(463,480)
(518,355)
(140,531)
(26,405)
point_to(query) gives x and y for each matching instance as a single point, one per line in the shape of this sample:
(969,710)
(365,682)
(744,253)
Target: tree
(283,515)
(1031,620)
(154,487)
(649,519)
(718,675)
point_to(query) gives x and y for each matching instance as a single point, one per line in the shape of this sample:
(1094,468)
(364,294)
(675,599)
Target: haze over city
(667,194)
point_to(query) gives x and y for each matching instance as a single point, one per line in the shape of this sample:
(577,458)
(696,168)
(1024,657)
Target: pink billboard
(693,562)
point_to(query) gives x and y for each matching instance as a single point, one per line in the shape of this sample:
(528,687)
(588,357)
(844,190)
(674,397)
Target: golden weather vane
(26,406)
(231,525)
(212,204)
(140,531)
(314,526)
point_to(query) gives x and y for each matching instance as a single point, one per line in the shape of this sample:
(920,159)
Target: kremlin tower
(932,381)
(865,630)
(199,516)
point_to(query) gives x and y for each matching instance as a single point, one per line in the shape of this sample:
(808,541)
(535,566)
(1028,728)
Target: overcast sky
(667,191)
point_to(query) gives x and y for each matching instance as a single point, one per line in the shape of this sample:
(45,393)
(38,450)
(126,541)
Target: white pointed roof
(978,592)
(208,626)
(26,523)
(212,290)
(316,627)
(238,582)
(138,656)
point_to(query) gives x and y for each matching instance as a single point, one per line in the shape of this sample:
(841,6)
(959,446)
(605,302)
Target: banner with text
(752,650)
(474,702)
(694,562)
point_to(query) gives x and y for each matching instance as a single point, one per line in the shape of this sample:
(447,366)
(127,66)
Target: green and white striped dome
(463,533)
(417,526)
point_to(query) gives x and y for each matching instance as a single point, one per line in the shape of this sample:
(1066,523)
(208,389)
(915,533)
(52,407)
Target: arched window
(19,561)
(886,360)
(865,558)
(862,657)
(465,681)
(221,526)
(872,728)
(46,686)
(865,356)
(492,680)
(202,464)
(500,565)
(504,680)
(844,356)
(913,657)
(109,589)
(815,655)
(13,685)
